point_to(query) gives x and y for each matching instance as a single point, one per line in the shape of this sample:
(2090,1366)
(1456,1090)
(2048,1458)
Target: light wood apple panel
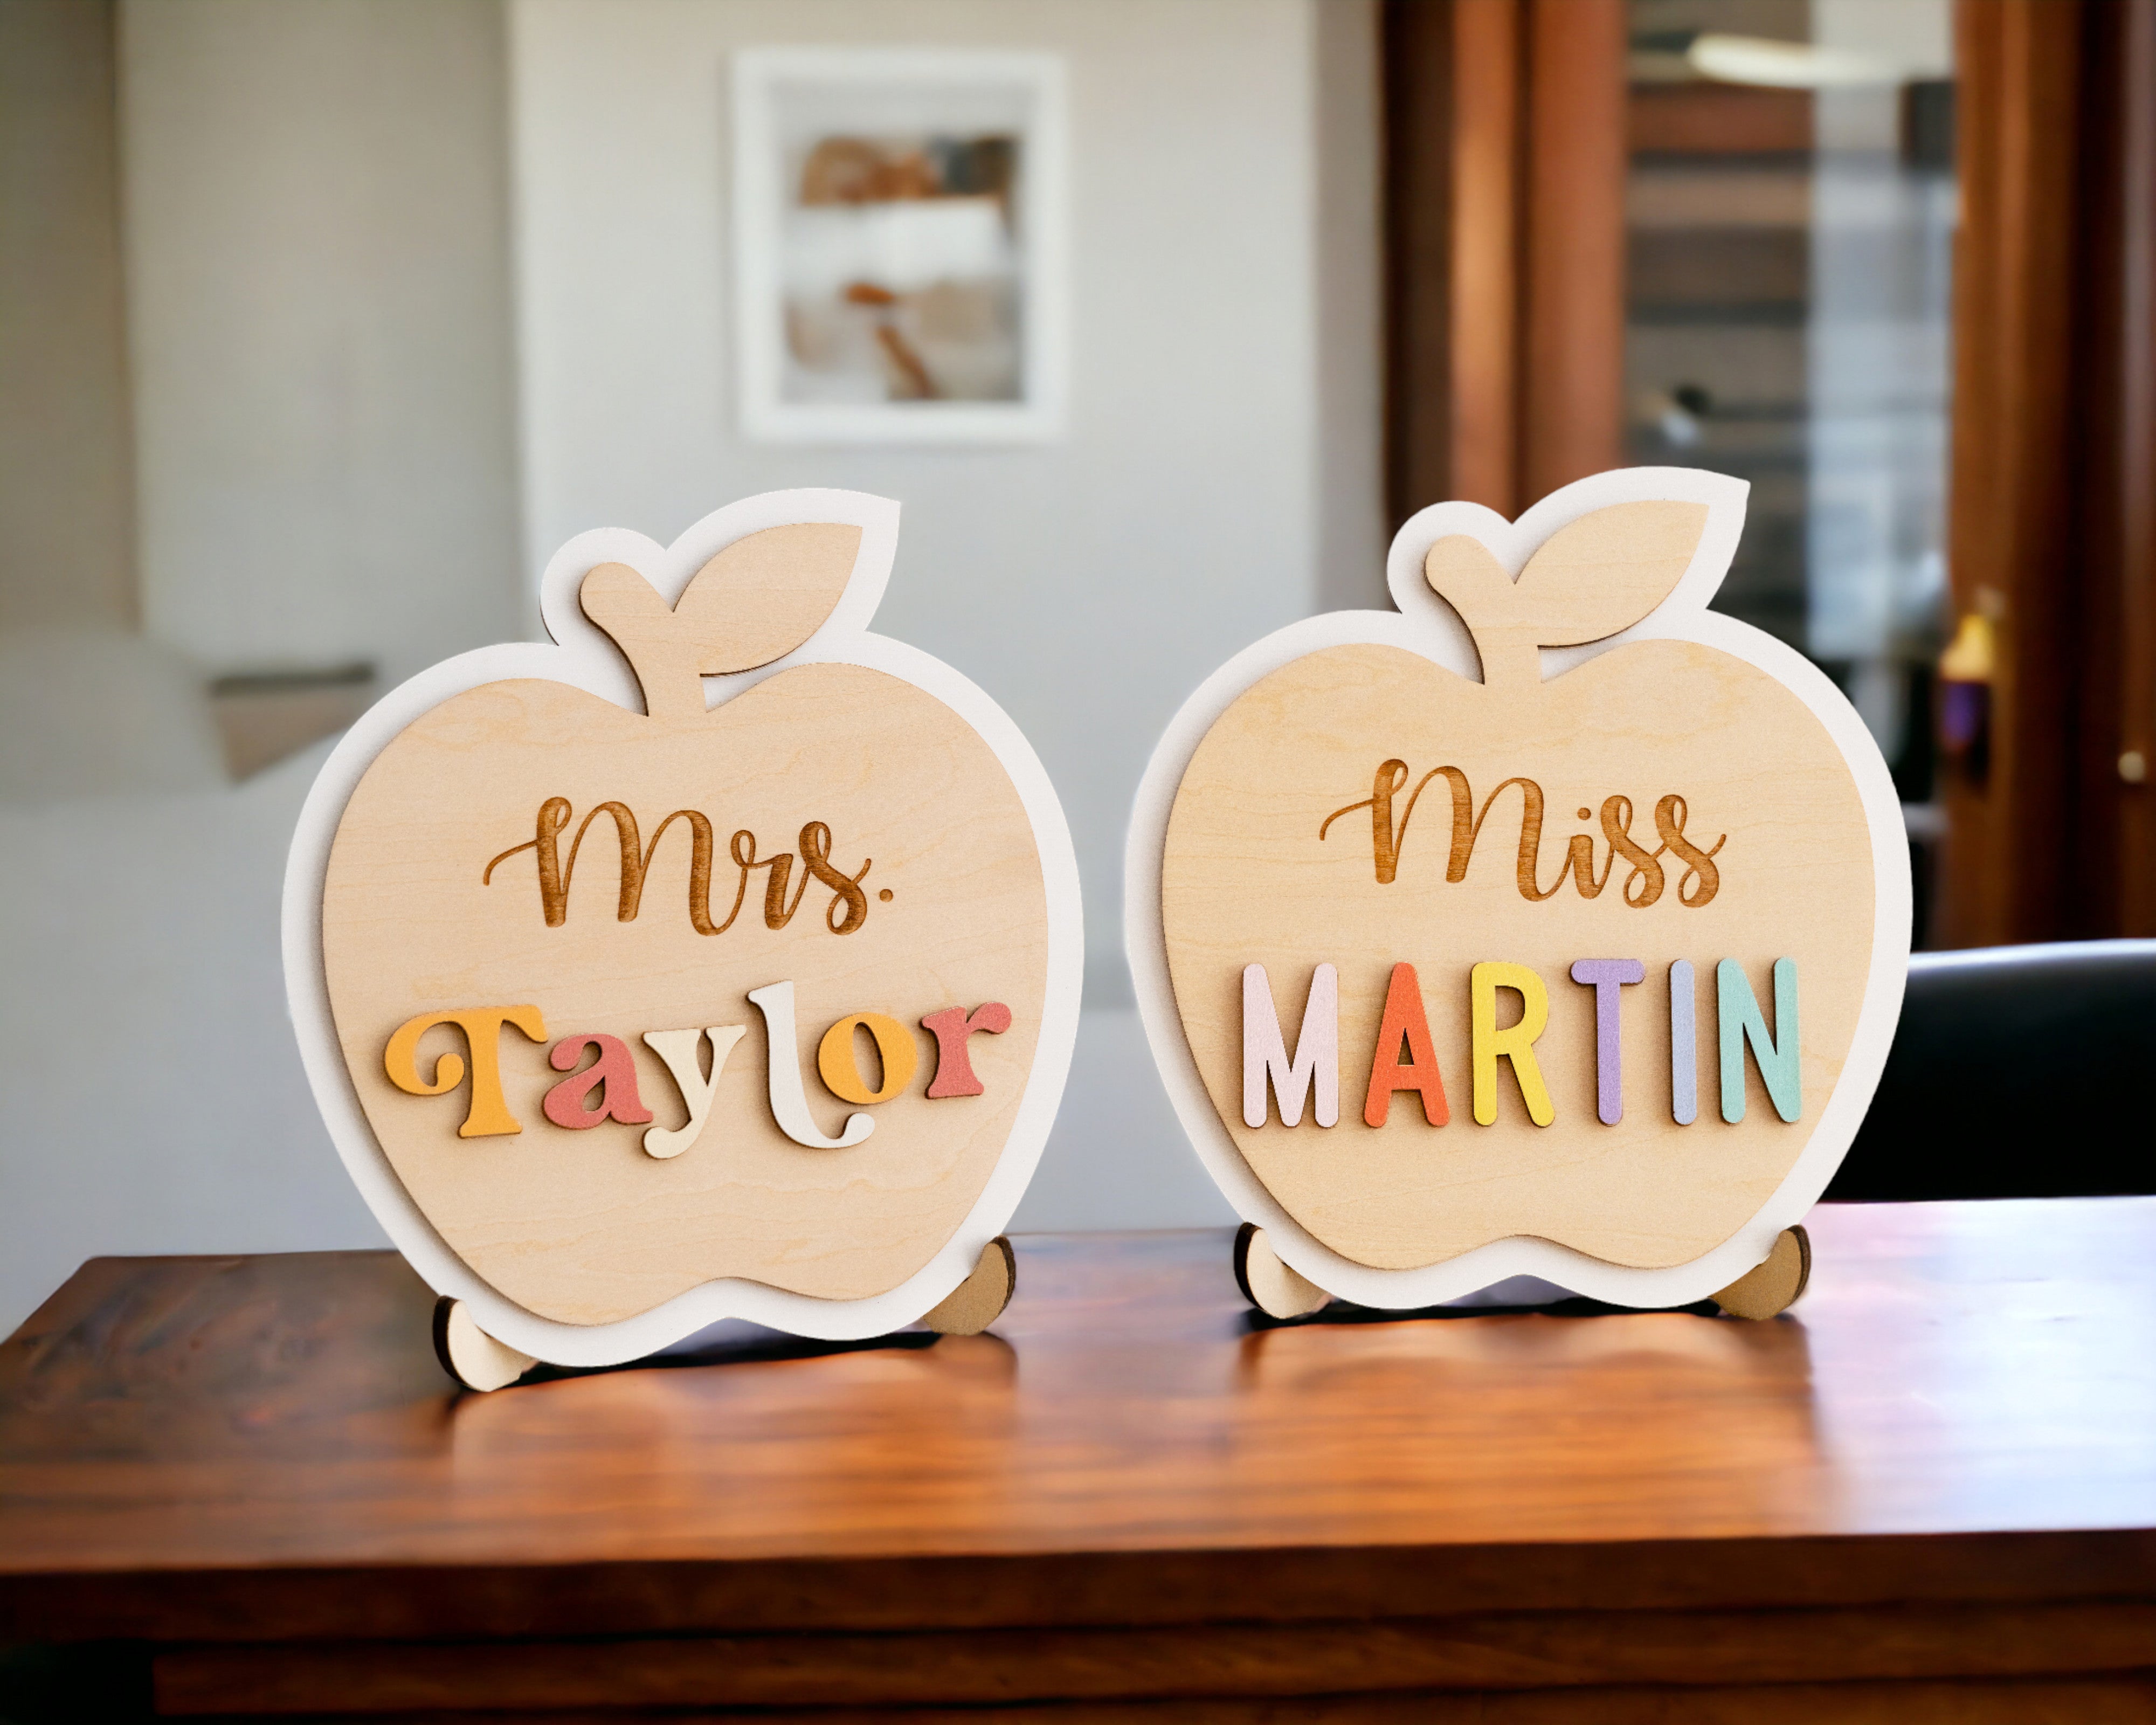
(1245,879)
(583,1226)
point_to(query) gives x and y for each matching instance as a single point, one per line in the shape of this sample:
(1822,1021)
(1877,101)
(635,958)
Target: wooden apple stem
(659,650)
(1463,573)
(1511,659)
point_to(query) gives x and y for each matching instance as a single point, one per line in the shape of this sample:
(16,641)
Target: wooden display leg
(471,1356)
(1763,1293)
(1269,1285)
(1775,1285)
(480,1362)
(978,1301)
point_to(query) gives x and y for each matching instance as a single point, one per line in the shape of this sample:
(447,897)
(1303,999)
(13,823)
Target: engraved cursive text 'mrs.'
(847,911)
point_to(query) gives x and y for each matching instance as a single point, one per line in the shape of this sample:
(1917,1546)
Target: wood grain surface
(1246,879)
(1511,1651)
(2075,1700)
(585,1227)
(1936,1475)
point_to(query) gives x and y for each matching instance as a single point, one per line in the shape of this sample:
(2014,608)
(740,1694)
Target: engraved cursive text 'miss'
(1697,885)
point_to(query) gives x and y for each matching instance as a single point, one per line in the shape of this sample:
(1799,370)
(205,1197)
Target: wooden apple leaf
(1606,571)
(764,595)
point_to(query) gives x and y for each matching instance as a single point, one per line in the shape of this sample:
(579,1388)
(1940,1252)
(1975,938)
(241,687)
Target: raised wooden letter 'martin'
(748,860)
(1556,827)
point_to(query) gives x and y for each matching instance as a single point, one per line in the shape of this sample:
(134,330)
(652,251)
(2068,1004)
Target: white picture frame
(788,259)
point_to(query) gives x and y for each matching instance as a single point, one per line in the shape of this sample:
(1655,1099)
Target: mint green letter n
(1776,1052)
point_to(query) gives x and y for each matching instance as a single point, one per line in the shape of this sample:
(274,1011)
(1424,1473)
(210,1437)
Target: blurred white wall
(157,1102)
(1347,147)
(312,227)
(1222,447)
(1088,585)
(316,214)
(342,454)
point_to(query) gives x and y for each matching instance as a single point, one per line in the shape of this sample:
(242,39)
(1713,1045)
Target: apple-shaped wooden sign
(1554,927)
(719,961)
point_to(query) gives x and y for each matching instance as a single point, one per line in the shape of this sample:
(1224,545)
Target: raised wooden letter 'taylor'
(1553,926)
(719,961)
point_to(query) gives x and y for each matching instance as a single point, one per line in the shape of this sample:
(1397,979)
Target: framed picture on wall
(899,226)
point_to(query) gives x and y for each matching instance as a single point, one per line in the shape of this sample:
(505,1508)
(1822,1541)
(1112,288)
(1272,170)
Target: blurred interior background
(323,321)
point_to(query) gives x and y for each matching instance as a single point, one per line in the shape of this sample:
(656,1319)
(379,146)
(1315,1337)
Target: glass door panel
(1790,210)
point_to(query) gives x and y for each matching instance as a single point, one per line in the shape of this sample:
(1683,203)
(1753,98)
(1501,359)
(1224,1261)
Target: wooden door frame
(1505,210)
(1506,157)
(2052,523)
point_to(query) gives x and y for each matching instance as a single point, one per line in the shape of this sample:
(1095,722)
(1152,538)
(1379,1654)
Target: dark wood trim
(2011,513)
(1573,406)
(1416,48)
(2091,1700)
(1486,231)
(1528,1651)
(2134,71)
(1505,210)
(205,1604)
(2052,531)
(2115,848)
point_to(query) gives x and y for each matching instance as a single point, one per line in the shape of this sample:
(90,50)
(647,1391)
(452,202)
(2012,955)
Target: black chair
(2016,1072)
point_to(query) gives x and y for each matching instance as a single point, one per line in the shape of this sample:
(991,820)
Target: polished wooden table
(1927,1493)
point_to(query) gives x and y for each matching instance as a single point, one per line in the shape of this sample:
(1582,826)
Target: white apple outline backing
(585,658)
(1427,625)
